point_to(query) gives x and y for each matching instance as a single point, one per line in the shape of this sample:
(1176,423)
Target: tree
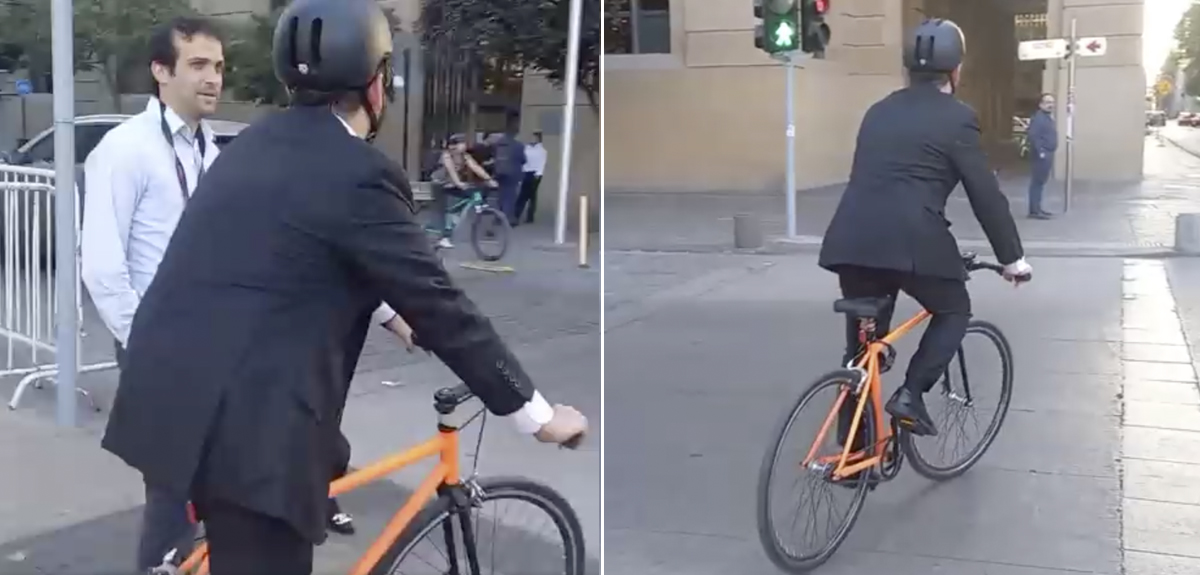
(25,41)
(525,33)
(250,72)
(116,34)
(1187,38)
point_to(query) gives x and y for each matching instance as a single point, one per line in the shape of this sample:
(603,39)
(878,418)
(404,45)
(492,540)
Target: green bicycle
(490,229)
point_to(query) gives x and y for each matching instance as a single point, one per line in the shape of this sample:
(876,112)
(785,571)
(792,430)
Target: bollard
(747,232)
(1187,234)
(583,231)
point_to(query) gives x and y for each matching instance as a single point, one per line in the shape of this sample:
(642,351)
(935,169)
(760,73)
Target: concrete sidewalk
(73,509)
(1135,219)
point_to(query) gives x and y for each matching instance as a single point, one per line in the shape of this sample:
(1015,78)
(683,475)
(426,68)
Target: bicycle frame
(870,387)
(446,472)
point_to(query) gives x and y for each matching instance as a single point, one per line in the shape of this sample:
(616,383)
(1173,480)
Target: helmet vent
(293,59)
(314,42)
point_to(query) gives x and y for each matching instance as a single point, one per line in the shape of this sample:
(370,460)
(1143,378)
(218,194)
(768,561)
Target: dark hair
(162,38)
(938,79)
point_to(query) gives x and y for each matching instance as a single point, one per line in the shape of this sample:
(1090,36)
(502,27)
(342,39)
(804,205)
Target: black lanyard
(179,172)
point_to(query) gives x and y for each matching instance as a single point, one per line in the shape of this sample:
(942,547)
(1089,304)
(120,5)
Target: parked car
(1186,119)
(38,152)
(1156,118)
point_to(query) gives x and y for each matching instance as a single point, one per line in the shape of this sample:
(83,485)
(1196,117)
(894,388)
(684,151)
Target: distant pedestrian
(535,166)
(1043,142)
(509,156)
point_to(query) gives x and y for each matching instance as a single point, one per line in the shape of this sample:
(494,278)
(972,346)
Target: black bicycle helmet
(936,45)
(325,48)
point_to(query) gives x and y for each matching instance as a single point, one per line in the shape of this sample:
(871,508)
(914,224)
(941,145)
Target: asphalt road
(705,352)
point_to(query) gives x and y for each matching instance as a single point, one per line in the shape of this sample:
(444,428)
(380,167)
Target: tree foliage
(250,73)
(25,41)
(115,34)
(522,33)
(1187,38)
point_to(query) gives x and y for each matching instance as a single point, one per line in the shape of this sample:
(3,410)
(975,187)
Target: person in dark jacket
(1043,142)
(241,353)
(889,232)
(509,171)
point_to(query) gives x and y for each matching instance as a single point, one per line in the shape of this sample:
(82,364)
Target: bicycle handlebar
(446,399)
(973,264)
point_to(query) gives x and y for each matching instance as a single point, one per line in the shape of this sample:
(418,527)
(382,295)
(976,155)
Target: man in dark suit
(890,233)
(242,350)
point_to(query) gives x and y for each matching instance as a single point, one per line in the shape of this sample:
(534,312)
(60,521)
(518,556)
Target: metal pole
(67,268)
(1068,185)
(570,87)
(790,98)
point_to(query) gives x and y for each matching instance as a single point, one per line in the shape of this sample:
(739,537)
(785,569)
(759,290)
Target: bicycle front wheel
(959,400)
(490,232)
(832,392)
(436,543)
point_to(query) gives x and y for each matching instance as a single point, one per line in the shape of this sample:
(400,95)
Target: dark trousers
(165,522)
(1040,174)
(510,187)
(946,299)
(528,197)
(441,202)
(243,542)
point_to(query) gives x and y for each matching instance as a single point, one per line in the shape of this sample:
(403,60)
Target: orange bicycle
(878,448)
(453,498)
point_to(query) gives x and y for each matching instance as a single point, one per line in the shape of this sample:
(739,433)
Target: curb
(812,245)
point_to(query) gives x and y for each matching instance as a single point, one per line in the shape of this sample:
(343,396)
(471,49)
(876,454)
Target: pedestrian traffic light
(779,30)
(814,32)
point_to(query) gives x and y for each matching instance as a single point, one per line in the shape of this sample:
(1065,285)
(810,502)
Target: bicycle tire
(541,496)
(504,230)
(935,473)
(766,532)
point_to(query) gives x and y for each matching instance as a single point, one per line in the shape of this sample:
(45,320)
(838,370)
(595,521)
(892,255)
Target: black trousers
(165,521)
(946,299)
(528,197)
(244,542)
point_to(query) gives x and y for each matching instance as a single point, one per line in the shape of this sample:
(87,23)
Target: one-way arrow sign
(1092,46)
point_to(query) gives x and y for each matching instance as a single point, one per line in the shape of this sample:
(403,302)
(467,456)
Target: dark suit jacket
(1042,135)
(241,352)
(913,148)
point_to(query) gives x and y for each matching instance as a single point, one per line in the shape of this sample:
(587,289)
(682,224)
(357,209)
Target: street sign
(1163,87)
(1042,49)
(1097,46)
(24,87)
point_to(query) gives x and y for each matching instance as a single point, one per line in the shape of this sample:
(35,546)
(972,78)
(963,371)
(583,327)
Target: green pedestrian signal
(779,30)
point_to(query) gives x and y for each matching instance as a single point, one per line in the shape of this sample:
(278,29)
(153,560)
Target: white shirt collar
(347,125)
(174,122)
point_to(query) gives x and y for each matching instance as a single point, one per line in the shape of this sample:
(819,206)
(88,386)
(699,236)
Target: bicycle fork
(462,502)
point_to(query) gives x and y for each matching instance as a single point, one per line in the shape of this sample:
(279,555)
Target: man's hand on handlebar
(566,428)
(1018,272)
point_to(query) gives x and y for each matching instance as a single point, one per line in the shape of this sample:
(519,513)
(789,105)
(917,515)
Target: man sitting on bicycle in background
(890,233)
(448,180)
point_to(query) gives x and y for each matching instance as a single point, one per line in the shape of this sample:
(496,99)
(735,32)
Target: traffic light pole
(789,60)
(1068,184)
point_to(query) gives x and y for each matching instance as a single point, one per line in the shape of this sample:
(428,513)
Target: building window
(638,27)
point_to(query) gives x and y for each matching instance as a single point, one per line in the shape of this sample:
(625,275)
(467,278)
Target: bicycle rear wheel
(490,232)
(961,398)
(435,526)
(836,384)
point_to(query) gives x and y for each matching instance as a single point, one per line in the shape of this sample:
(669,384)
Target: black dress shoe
(909,410)
(339,521)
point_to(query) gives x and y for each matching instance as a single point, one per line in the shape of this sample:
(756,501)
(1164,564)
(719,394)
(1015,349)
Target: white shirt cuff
(383,314)
(533,415)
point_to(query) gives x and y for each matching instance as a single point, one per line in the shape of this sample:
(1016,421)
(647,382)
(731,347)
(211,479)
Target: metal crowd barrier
(28,292)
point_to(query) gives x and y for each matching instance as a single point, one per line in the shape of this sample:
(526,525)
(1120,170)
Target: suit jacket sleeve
(983,190)
(375,227)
